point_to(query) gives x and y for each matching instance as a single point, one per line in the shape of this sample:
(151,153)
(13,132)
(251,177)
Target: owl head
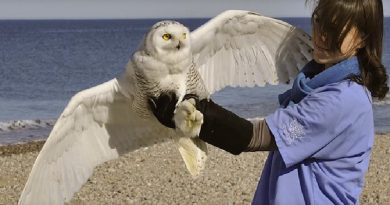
(169,42)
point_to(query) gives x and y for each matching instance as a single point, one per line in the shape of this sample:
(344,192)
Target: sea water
(43,63)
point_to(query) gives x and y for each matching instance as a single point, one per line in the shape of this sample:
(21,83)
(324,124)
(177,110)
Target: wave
(22,131)
(16,125)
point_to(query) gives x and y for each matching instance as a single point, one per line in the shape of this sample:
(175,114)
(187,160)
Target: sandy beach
(157,175)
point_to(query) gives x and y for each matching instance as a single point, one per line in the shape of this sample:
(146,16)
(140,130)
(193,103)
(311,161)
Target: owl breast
(174,83)
(147,87)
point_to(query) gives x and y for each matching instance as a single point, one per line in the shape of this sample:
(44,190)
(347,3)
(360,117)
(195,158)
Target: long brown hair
(335,18)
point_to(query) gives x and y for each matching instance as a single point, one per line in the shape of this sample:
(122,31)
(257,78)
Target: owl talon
(188,119)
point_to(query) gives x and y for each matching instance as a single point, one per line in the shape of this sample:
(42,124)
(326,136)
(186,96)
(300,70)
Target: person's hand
(163,108)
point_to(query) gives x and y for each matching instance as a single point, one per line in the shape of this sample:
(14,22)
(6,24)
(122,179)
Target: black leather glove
(163,108)
(222,128)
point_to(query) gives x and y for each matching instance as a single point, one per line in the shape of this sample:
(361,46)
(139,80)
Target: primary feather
(236,48)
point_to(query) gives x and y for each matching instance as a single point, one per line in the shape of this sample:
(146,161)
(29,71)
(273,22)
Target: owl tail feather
(194,154)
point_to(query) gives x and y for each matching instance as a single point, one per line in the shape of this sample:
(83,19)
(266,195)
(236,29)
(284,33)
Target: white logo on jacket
(292,132)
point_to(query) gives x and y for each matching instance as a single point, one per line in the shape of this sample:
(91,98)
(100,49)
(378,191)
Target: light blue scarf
(305,83)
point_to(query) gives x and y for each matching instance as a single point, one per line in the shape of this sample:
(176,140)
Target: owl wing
(245,49)
(97,125)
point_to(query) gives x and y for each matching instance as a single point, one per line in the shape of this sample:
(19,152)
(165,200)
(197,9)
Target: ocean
(43,63)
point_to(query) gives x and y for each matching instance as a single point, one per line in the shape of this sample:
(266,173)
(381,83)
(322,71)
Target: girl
(320,139)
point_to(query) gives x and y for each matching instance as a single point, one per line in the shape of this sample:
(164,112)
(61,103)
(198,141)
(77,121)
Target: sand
(157,175)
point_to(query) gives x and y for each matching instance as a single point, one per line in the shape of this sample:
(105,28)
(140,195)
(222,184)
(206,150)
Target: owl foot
(187,118)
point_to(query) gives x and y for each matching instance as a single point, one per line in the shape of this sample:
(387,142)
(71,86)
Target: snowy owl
(236,48)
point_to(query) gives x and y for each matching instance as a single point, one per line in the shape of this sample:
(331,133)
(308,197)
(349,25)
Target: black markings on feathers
(252,13)
(165,23)
(195,83)
(146,86)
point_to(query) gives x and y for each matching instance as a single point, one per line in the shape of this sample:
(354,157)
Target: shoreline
(157,175)
(21,148)
(36,145)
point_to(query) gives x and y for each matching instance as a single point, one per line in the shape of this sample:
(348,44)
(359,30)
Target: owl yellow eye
(184,35)
(167,36)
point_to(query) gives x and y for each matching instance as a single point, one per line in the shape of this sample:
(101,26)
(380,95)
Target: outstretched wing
(97,125)
(242,48)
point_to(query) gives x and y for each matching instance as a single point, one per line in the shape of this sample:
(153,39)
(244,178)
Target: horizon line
(141,18)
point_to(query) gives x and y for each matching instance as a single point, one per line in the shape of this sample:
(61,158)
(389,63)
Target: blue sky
(114,9)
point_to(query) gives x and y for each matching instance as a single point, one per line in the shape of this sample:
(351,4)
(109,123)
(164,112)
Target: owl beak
(178,46)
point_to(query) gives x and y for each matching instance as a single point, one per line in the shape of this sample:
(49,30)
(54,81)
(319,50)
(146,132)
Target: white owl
(236,48)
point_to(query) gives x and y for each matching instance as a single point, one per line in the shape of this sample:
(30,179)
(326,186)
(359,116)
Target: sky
(126,9)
